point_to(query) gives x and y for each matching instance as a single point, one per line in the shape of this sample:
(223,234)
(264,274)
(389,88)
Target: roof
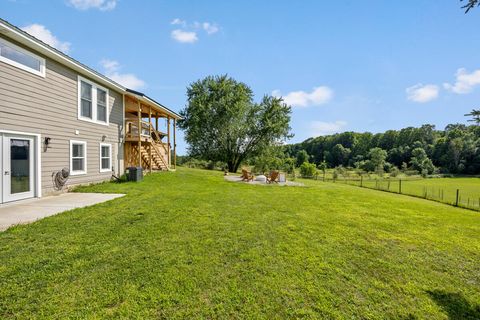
(30,41)
(158,104)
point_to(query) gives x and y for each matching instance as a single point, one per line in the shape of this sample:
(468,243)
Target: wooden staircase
(158,162)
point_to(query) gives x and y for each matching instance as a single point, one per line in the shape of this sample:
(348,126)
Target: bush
(204,164)
(307,170)
(394,171)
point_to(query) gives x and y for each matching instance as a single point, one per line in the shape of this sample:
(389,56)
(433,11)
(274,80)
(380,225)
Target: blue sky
(343,65)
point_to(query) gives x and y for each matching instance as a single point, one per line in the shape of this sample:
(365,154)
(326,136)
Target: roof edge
(30,41)
(141,94)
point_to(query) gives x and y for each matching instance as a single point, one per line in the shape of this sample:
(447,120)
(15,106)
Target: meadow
(188,244)
(442,189)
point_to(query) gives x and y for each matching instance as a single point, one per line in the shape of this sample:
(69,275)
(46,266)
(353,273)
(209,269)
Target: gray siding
(49,106)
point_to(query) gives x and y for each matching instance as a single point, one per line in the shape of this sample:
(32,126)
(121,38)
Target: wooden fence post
(456,201)
(400,186)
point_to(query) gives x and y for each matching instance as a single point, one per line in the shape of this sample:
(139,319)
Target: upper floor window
(92,102)
(21,58)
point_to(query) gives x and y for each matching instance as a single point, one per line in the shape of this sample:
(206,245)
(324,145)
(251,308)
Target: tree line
(456,150)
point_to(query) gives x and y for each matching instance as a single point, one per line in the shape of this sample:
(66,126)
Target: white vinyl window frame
(78,172)
(95,87)
(109,168)
(19,65)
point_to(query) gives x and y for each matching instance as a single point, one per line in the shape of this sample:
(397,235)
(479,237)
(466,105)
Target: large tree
(223,123)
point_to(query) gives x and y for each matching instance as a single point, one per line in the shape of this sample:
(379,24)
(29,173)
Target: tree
(421,162)
(339,155)
(222,123)
(307,170)
(475,114)
(323,166)
(470,5)
(302,156)
(377,158)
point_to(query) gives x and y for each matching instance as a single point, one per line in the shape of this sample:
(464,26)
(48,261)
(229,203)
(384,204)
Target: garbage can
(135,173)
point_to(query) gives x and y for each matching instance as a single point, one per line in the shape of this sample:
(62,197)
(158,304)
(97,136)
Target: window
(78,157)
(21,58)
(105,157)
(86,100)
(92,102)
(101,105)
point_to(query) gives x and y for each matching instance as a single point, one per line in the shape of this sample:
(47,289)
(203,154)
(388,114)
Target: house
(58,115)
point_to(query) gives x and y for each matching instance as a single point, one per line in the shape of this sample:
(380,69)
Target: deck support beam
(150,136)
(139,113)
(168,144)
(174,144)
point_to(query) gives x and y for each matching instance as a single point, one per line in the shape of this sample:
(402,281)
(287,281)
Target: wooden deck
(145,145)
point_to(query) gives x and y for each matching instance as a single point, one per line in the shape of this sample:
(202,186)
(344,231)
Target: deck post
(150,137)
(174,145)
(168,136)
(156,121)
(139,113)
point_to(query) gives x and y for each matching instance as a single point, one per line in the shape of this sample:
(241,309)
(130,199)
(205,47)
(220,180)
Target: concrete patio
(26,211)
(234,178)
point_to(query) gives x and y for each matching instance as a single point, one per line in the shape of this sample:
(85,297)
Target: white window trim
(76,173)
(94,102)
(40,73)
(110,157)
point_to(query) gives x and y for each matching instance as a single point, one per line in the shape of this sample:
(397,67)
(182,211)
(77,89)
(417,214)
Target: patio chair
(273,177)
(247,176)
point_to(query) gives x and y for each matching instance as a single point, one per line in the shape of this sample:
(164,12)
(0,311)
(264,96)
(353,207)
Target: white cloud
(178,21)
(319,95)
(464,81)
(40,32)
(422,93)
(189,32)
(112,70)
(184,36)
(210,28)
(102,5)
(320,128)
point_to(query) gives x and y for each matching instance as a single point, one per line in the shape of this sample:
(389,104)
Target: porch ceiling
(133,98)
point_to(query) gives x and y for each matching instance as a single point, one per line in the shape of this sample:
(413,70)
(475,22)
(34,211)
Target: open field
(438,189)
(188,244)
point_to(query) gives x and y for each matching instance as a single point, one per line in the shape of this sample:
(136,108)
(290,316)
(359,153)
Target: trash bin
(135,173)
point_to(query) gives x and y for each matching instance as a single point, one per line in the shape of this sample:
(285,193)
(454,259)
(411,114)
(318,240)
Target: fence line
(453,197)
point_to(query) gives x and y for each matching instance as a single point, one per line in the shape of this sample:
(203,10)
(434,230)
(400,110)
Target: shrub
(394,171)
(307,170)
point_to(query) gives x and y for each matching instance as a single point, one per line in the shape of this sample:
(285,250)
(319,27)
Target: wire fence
(452,195)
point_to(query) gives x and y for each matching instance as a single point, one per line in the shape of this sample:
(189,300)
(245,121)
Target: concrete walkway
(26,211)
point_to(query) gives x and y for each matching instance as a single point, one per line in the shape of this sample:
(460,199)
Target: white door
(18,175)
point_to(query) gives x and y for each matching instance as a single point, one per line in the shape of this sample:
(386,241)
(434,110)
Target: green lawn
(438,189)
(469,189)
(187,244)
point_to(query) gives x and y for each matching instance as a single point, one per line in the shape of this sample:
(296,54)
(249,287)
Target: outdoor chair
(247,176)
(273,177)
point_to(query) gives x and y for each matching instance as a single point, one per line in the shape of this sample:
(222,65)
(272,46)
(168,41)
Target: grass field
(187,244)
(438,189)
